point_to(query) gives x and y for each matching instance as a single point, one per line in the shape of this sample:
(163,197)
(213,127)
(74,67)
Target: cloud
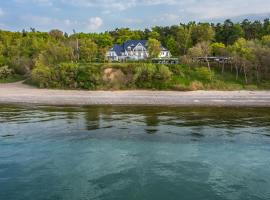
(82,14)
(117,5)
(39,2)
(213,9)
(94,23)
(48,23)
(167,17)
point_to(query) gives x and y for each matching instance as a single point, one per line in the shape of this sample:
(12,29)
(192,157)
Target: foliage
(88,50)
(196,85)
(41,76)
(56,59)
(218,49)
(88,77)
(154,47)
(5,72)
(204,74)
(266,40)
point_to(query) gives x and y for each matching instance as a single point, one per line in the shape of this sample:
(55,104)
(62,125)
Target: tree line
(247,43)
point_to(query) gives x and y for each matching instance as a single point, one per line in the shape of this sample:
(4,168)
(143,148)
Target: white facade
(133,50)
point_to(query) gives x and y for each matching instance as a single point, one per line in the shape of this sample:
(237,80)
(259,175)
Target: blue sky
(101,15)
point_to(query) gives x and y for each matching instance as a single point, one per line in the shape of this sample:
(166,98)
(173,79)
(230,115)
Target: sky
(102,15)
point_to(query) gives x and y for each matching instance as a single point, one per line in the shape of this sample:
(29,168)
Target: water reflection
(198,120)
(134,153)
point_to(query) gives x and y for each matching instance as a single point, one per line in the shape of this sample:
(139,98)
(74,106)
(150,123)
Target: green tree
(202,49)
(266,40)
(88,50)
(57,34)
(172,45)
(202,32)
(184,38)
(154,48)
(229,32)
(219,49)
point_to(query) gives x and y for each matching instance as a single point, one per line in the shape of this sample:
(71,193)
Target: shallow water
(52,153)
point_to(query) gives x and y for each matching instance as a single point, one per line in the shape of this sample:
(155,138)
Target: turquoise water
(142,153)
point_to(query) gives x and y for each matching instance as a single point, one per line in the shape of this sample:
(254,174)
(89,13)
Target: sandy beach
(18,93)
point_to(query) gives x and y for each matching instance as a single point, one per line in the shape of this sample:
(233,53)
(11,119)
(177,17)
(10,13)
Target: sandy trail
(19,93)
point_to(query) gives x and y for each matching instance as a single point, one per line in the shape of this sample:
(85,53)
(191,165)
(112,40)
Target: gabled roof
(118,49)
(134,43)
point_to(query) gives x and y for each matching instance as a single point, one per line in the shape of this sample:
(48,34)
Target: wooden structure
(166,61)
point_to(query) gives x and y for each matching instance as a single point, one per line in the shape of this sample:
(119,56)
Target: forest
(56,59)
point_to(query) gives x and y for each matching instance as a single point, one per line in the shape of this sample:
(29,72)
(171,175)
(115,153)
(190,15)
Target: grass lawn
(12,79)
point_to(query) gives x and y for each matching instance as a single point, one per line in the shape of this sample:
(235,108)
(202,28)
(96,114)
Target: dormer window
(129,48)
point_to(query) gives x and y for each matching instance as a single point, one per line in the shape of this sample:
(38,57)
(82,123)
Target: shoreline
(18,93)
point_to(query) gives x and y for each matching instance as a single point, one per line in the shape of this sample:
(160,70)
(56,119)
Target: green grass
(12,79)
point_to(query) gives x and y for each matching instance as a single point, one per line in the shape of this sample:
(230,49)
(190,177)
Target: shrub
(221,85)
(163,73)
(144,74)
(177,70)
(196,85)
(41,75)
(67,74)
(180,87)
(265,85)
(203,73)
(251,87)
(88,77)
(21,65)
(6,72)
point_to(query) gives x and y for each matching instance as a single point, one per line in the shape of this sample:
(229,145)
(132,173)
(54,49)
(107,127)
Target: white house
(133,50)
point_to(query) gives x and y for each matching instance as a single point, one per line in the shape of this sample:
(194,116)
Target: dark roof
(117,49)
(131,43)
(134,43)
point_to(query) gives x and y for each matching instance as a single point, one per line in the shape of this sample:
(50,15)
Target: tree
(154,48)
(229,32)
(184,40)
(88,50)
(242,55)
(266,40)
(155,35)
(219,49)
(202,32)
(202,49)
(172,45)
(54,53)
(57,34)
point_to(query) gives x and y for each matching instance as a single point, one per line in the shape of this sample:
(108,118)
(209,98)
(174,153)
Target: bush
(144,75)
(41,76)
(6,72)
(196,85)
(67,74)
(21,65)
(203,73)
(149,75)
(88,77)
(251,87)
(265,85)
(180,87)
(163,73)
(221,85)
(177,70)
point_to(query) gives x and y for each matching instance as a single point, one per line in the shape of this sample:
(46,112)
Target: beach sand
(19,93)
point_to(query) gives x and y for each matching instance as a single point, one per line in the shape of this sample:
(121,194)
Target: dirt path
(20,93)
